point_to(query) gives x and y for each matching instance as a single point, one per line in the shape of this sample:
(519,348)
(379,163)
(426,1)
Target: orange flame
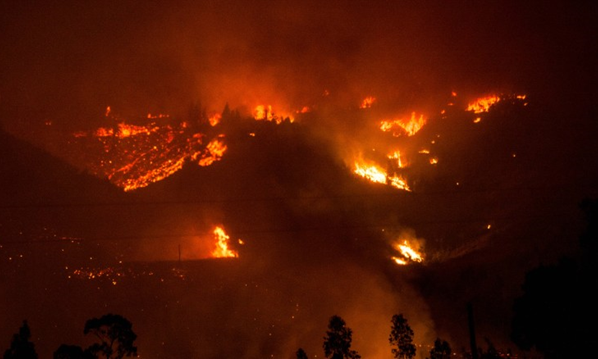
(367,102)
(374,173)
(264,112)
(483,104)
(397,156)
(304,109)
(136,156)
(370,172)
(408,254)
(410,127)
(150,116)
(215,119)
(214,152)
(221,250)
(125,130)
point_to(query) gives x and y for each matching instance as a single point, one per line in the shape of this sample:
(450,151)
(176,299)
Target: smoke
(161,57)
(313,246)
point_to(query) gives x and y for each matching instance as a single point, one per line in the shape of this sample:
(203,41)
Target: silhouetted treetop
(115,334)
(441,350)
(20,346)
(401,337)
(301,354)
(337,342)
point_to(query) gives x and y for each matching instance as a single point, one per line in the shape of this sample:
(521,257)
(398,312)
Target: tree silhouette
(559,302)
(301,354)
(401,336)
(71,352)
(491,352)
(115,334)
(20,346)
(337,342)
(441,350)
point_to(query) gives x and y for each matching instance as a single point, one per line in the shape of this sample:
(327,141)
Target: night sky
(312,238)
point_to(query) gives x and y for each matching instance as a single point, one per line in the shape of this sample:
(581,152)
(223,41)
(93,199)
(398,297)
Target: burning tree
(337,342)
(401,336)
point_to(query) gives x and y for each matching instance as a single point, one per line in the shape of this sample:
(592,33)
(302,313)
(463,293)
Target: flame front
(483,104)
(407,254)
(222,250)
(265,112)
(135,156)
(215,119)
(367,102)
(396,156)
(214,152)
(374,173)
(410,127)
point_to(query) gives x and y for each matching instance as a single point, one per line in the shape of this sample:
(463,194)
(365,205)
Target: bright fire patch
(134,156)
(265,113)
(482,104)
(374,173)
(222,250)
(406,254)
(367,102)
(408,126)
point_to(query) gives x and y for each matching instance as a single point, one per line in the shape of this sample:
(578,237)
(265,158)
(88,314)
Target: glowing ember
(410,127)
(134,156)
(222,250)
(367,102)
(153,117)
(483,104)
(407,254)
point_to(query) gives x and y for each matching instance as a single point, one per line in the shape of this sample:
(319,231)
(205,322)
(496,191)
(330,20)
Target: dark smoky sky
(67,61)
(162,56)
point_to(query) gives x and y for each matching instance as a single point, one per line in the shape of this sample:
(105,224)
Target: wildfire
(215,119)
(374,173)
(153,117)
(410,127)
(221,250)
(407,254)
(214,152)
(265,112)
(367,102)
(114,275)
(304,109)
(396,156)
(134,156)
(483,104)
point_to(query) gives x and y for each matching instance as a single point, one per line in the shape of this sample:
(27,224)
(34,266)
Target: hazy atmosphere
(228,175)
